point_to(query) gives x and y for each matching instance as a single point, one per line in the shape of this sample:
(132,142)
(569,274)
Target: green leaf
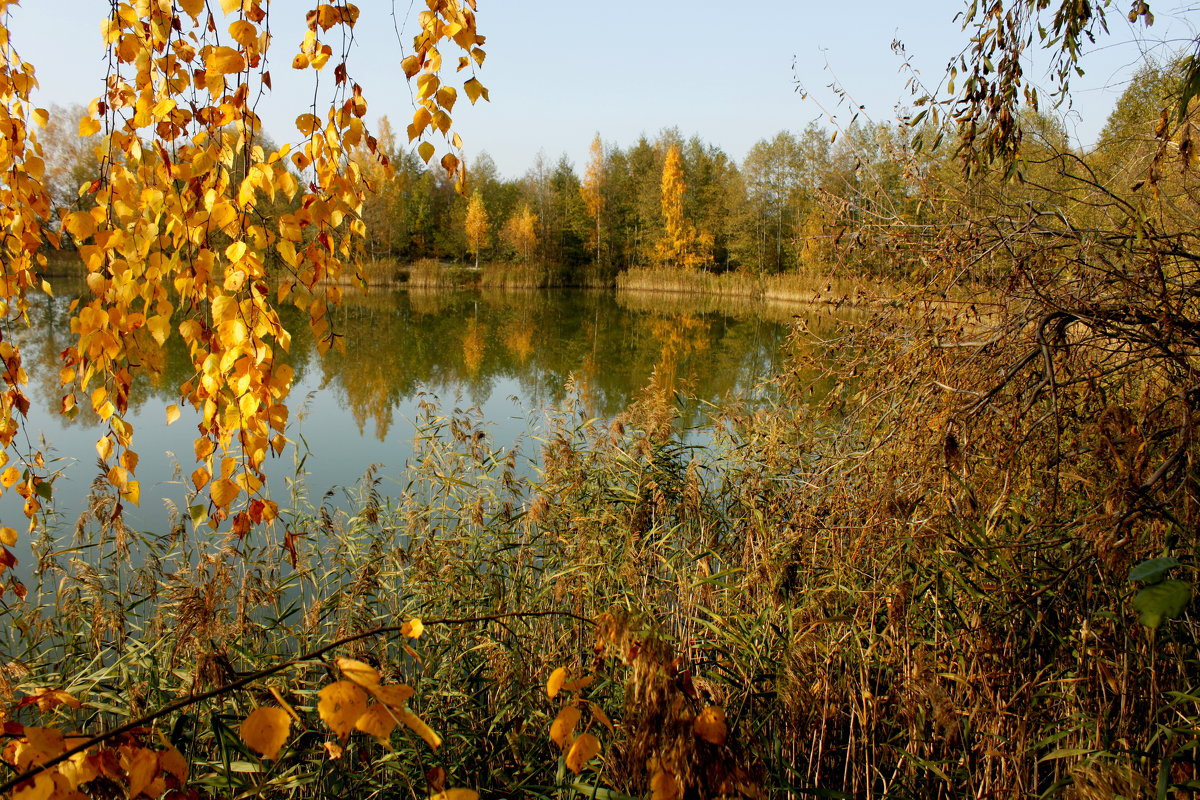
(1159,601)
(1152,570)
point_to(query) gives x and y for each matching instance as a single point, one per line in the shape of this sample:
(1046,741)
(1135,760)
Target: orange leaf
(562,730)
(266,730)
(555,684)
(710,725)
(585,748)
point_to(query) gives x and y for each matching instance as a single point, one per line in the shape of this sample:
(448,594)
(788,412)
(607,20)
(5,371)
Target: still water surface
(511,356)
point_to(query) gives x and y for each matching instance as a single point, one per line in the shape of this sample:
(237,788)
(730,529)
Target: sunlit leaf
(361,673)
(265,730)
(710,725)
(562,730)
(378,721)
(418,726)
(340,705)
(555,683)
(584,749)
(413,628)
(456,794)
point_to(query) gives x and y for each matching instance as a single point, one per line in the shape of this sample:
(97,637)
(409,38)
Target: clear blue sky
(561,70)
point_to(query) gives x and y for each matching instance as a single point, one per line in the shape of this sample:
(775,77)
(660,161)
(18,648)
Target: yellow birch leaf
(300,61)
(474,89)
(413,628)
(225,61)
(200,478)
(160,328)
(562,730)
(223,492)
(361,673)
(12,474)
(88,127)
(394,695)
(377,721)
(710,725)
(417,726)
(411,66)
(599,715)
(585,748)
(555,683)
(229,6)
(446,97)
(192,7)
(8,536)
(266,730)
(427,85)
(41,116)
(425,151)
(40,788)
(132,492)
(579,683)
(664,786)
(142,766)
(450,162)
(235,251)
(173,763)
(340,705)
(172,413)
(456,794)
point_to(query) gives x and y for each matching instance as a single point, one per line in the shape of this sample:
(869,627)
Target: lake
(509,356)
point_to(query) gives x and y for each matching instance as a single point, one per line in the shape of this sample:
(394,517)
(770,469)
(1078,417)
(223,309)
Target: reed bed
(889,596)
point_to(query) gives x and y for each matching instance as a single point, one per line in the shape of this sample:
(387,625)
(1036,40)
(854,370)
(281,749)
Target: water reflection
(470,348)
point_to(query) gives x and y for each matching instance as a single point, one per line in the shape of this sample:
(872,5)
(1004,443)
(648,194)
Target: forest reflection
(603,346)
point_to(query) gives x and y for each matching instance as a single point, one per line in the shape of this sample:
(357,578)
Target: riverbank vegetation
(951,552)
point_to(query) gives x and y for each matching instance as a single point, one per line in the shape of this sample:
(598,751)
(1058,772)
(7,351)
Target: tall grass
(885,601)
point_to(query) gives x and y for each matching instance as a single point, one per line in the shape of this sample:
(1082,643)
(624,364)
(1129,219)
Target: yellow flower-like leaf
(265,730)
(585,748)
(413,628)
(340,705)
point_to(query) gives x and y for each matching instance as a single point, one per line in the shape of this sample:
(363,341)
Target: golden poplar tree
(592,190)
(477,224)
(681,245)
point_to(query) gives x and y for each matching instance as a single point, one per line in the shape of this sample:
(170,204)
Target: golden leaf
(413,628)
(12,474)
(474,90)
(223,492)
(710,725)
(160,327)
(377,721)
(394,695)
(200,478)
(456,794)
(88,126)
(265,730)
(229,6)
(173,763)
(340,705)
(192,7)
(555,683)
(417,726)
(225,61)
(579,683)
(8,536)
(562,730)
(363,674)
(334,750)
(40,788)
(141,766)
(172,413)
(664,786)
(585,748)
(425,151)
(411,66)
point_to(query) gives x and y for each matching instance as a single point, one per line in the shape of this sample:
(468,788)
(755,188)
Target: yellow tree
(173,237)
(681,245)
(592,189)
(477,224)
(520,232)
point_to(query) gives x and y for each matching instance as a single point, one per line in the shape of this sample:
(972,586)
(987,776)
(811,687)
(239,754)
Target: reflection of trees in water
(451,342)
